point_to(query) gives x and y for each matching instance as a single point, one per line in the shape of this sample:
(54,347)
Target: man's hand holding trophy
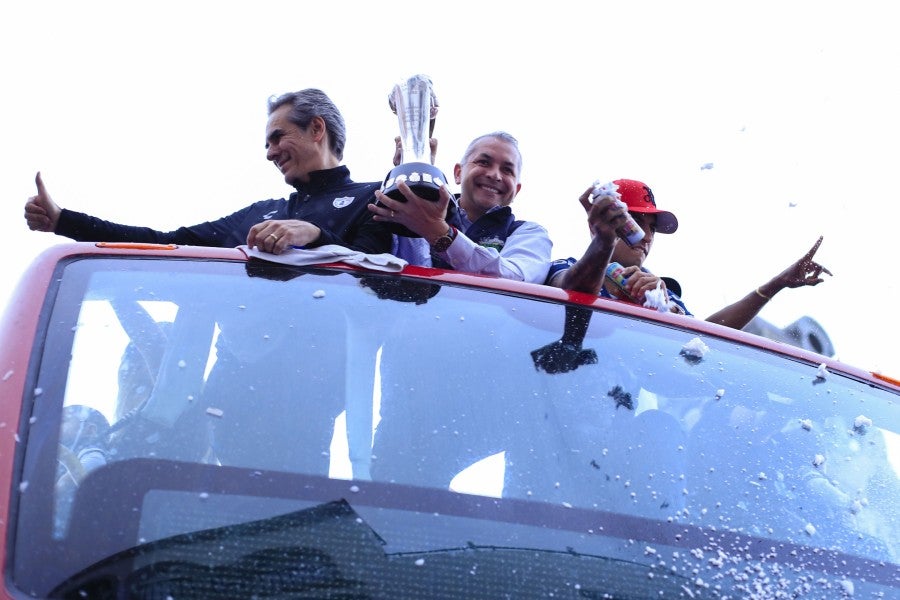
(415,104)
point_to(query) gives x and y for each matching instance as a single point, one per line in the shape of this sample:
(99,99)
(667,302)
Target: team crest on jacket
(492,242)
(342,202)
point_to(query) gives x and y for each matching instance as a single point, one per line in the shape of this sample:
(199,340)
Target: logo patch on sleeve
(342,202)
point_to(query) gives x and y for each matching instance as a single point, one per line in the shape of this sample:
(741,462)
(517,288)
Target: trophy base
(423,179)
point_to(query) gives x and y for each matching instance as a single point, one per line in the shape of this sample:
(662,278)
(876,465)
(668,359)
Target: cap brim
(665,221)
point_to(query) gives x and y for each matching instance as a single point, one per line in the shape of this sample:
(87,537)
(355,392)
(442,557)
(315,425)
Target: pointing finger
(814,249)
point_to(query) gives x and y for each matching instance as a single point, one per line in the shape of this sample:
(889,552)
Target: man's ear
(317,128)
(457,173)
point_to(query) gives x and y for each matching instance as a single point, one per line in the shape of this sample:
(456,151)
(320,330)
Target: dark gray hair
(308,104)
(497,135)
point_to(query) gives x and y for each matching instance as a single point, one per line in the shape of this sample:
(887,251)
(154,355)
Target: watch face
(442,243)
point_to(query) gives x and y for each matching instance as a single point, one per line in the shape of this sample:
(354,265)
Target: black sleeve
(365,235)
(86,228)
(226,232)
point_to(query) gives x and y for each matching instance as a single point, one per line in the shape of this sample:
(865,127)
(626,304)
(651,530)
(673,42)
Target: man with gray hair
(479,233)
(305,137)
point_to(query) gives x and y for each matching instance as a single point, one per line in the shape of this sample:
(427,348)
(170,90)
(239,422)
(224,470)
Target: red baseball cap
(639,199)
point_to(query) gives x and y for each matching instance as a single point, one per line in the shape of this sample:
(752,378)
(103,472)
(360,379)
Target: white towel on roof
(328,254)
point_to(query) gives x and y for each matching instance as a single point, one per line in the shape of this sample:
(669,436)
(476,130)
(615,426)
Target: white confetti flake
(23,486)
(319,294)
(810,529)
(818,460)
(847,587)
(822,373)
(38,391)
(7,375)
(706,166)
(420,562)
(806,424)
(719,393)
(214,412)
(354,488)
(861,423)
(181,364)
(696,348)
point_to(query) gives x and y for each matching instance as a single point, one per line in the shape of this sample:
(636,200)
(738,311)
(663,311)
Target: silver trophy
(414,103)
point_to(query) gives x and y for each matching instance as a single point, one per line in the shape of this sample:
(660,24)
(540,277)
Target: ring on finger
(392,214)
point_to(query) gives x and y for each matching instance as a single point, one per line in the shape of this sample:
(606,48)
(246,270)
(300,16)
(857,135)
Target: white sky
(153,114)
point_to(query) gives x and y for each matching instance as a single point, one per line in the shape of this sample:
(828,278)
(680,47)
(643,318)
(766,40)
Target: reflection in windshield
(567,354)
(239,393)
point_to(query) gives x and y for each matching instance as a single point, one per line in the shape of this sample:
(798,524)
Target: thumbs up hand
(41,212)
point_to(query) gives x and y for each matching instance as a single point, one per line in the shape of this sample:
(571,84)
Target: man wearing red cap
(605,215)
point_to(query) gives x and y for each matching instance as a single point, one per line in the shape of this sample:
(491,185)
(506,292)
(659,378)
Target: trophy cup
(415,105)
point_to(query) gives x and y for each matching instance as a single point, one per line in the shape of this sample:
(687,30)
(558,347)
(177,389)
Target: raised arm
(805,271)
(604,216)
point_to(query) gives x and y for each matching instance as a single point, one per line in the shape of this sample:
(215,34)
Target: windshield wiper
(299,555)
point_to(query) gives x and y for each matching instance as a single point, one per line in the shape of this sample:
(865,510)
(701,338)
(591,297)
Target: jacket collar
(324,179)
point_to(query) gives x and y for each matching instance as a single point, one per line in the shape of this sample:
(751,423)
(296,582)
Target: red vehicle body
(612,451)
